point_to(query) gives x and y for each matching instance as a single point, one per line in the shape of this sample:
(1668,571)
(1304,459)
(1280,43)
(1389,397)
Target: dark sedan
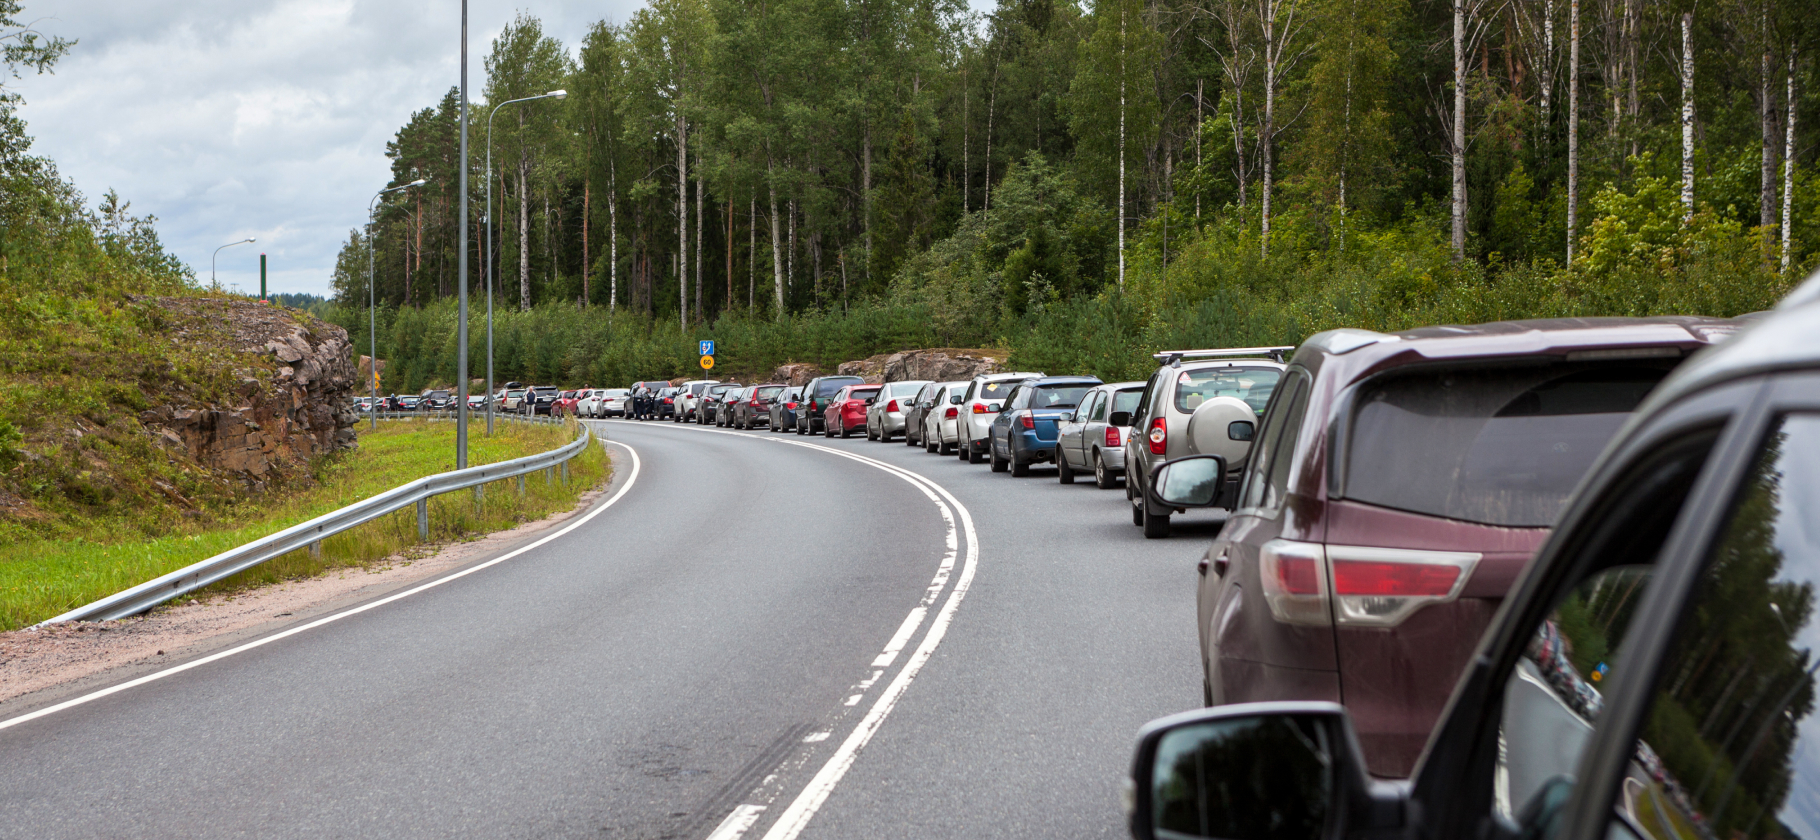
(784,409)
(1026,431)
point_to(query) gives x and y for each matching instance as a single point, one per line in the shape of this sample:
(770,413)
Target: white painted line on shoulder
(893,647)
(816,737)
(737,823)
(330,619)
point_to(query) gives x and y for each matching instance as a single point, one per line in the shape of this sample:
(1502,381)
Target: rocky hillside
(149,409)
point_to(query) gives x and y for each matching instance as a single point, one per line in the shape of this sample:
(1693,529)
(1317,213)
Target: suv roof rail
(1173,358)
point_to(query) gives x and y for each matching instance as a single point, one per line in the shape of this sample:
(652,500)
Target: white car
(612,402)
(984,398)
(689,398)
(940,426)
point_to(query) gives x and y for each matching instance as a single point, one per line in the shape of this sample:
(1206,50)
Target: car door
(1071,440)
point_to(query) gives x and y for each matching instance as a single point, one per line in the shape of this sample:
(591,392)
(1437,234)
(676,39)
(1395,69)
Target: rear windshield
(827,387)
(439,395)
(1501,447)
(719,389)
(617,392)
(1126,400)
(768,393)
(1057,396)
(511,394)
(990,391)
(1253,385)
(904,389)
(862,393)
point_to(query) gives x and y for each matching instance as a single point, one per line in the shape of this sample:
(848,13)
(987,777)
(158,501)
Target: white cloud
(264,118)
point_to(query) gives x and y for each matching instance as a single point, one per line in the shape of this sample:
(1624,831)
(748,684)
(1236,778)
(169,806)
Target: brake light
(952,413)
(756,402)
(1159,437)
(1295,582)
(667,400)
(980,408)
(1112,437)
(1380,587)
(891,406)
(1028,421)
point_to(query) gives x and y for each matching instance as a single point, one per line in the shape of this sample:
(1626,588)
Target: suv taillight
(1112,437)
(980,408)
(1028,421)
(952,413)
(1369,586)
(1159,437)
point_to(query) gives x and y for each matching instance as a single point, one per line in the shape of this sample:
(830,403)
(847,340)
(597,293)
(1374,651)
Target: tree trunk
(790,258)
(1200,93)
(727,210)
(1121,146)
(1632,24)
(1687,115)
(524,233)
(752,255)
(612,238)
(682,219)
(1459,130)
(1573,123)
(587,268)
(698,237)
(966,163)
(777,251)
(1788,167)
(865,191)
(1548,57)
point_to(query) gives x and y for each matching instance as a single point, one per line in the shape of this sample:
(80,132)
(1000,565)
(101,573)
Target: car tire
(1019,469)
(972,456)
(934,448)
(919,442)
(1102,477)
(1156,525)
(1137,510)
(870,435)
(992,455)
(1063,471)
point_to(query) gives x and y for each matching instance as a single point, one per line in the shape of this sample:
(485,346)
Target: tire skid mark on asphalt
(155,676)
(795,818)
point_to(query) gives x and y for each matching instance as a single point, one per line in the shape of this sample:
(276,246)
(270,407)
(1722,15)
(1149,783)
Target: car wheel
(934,448)
(1156,525)
(992,455)
(1137,510)
(1102,477)
(1019,469)
(870,435)
(1064,473)
(971,455)
(920,441)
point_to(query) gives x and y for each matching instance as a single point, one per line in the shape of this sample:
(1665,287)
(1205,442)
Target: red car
(846,411)
(1397,486)
(565,403)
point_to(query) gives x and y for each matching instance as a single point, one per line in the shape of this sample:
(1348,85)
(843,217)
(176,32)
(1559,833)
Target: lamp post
(461,321)
(212,280)
(372,318)
(491,259)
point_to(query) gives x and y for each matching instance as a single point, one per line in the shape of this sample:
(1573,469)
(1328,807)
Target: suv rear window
(1499,447)
(1253,385)
(826,387)
(1058,396)
(990,391)
(439,395)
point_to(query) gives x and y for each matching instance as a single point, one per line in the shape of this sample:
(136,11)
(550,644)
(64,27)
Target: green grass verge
(43,578)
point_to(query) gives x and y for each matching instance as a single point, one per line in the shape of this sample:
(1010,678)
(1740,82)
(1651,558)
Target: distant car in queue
(813,407)
(885,416)
(1025,432)
(783,408)
(846,411)
(1092,439)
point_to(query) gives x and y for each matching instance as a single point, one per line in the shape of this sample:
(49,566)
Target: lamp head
(418,183)
(559,94)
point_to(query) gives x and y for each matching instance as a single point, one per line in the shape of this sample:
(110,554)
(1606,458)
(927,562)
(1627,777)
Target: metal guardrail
(311,534)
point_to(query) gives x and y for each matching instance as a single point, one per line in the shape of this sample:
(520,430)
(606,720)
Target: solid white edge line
(737,823)
(178,669)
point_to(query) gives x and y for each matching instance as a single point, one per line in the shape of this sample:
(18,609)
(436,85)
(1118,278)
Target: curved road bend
(699,656)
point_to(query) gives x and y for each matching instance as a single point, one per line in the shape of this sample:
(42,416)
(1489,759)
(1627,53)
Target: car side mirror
(871,400)
(1255,771)
(1241,430)
(1194,481)
(995,407)
(1120,418)
(955,400)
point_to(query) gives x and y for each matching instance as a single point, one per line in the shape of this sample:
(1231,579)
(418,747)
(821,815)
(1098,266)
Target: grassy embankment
(44,577)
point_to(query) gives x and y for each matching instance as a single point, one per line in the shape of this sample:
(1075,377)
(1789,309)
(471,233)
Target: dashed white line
(737,823)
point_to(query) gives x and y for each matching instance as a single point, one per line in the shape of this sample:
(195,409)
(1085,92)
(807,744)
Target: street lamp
(212,281)
(555,94)
(372,319)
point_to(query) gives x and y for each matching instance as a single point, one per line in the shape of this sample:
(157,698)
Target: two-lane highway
(758,635)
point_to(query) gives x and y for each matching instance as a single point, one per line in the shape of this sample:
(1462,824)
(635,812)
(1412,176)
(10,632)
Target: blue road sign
(707,347)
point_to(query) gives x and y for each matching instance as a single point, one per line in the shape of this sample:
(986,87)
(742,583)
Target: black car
(539,399)
(709,407)
(665,406)
(1650,675)
(809,420)
(783,408)
(436,400)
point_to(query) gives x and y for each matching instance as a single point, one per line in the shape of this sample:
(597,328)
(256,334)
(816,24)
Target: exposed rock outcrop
(939,364)
(282,413)
(795,374)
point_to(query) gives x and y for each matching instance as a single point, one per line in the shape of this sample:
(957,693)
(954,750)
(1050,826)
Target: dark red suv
(1399,484)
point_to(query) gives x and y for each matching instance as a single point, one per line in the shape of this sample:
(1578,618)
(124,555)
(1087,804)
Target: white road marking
(795,818)
(816,737)
(896,645)
(737,822)
(159,675)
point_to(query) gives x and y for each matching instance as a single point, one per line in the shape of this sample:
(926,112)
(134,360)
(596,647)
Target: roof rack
(1173,358)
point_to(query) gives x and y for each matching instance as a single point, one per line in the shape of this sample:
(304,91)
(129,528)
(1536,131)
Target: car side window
(1281,418)
(1143,403)
(1730,746)
(1097,412)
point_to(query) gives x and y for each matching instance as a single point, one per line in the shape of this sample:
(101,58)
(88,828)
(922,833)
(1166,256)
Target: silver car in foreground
(1093,438)
(885,416)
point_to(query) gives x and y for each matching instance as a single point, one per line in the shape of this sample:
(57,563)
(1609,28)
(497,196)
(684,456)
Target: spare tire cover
(1208,429)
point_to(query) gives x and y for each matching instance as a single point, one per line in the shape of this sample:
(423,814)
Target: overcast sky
(265,118)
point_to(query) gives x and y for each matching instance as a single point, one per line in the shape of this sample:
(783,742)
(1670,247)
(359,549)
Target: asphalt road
(761,635)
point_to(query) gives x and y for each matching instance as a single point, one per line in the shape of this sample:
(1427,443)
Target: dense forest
(1307,162)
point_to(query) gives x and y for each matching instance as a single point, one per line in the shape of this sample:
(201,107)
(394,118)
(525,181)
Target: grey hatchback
(1092,439)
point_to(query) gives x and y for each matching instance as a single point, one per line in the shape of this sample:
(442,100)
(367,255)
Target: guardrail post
(480,496)
(521,485)
(565,473)
(546,476)
(423,519)
(316,549)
